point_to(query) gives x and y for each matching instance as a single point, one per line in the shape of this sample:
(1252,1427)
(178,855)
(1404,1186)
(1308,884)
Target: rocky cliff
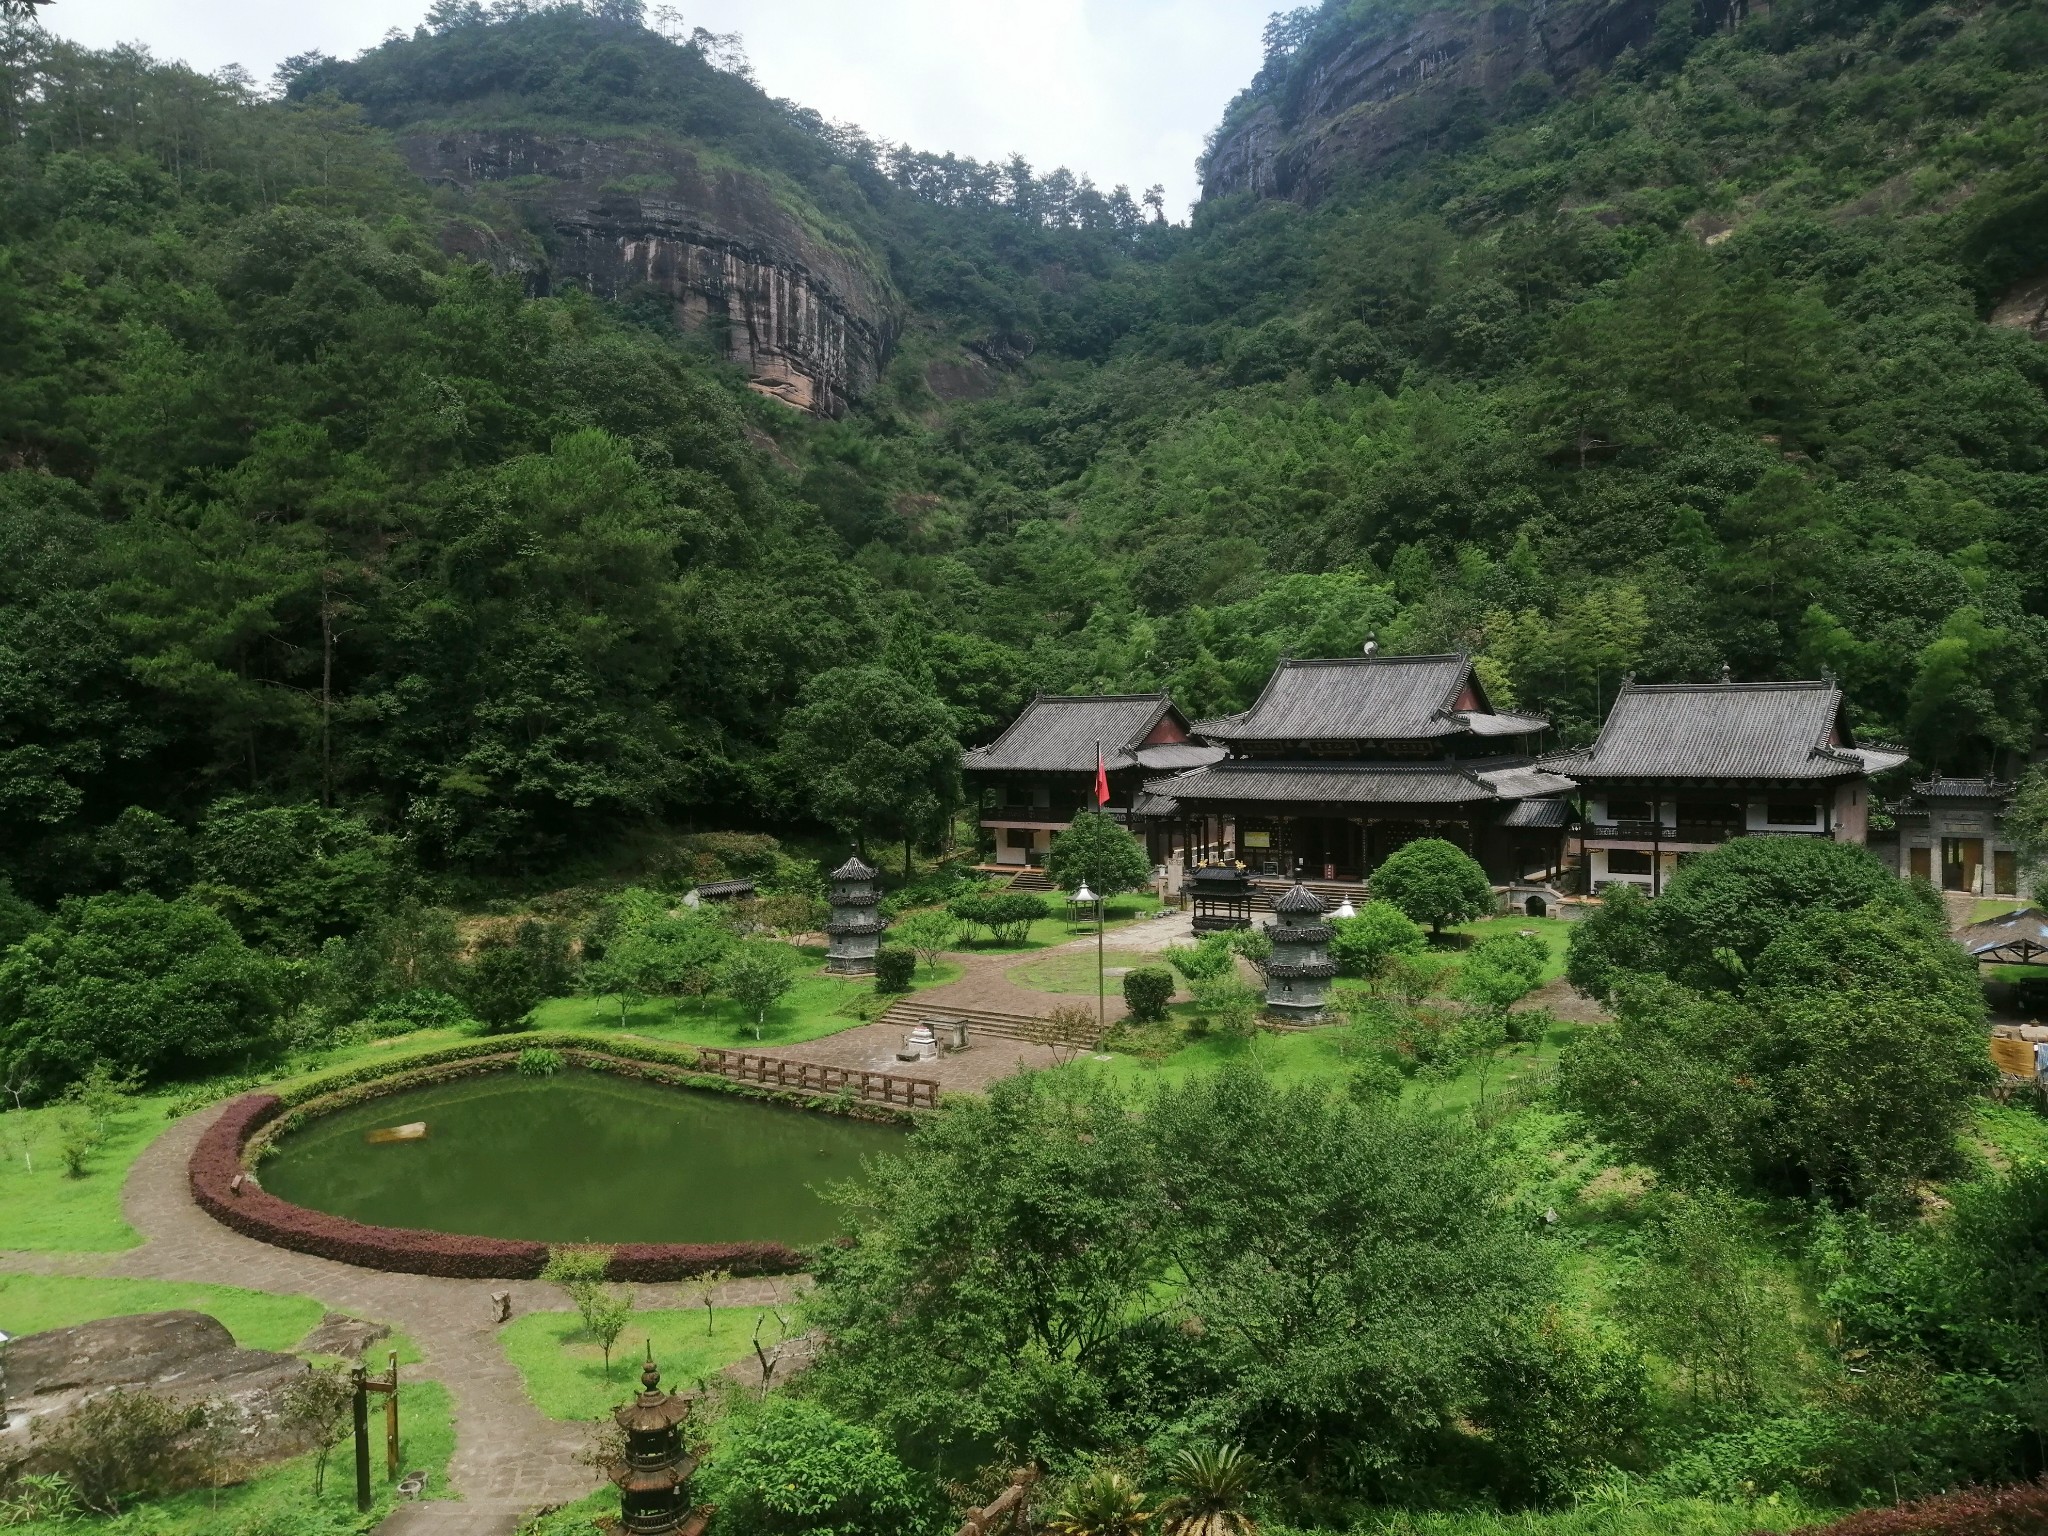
(808,319)
(1360,99)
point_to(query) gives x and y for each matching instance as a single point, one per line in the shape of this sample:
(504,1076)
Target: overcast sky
(1122,90)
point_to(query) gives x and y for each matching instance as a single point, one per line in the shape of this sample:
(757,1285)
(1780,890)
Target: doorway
(1962,863)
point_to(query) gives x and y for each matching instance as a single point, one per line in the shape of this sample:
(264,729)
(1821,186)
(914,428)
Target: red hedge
(217,1162)
(2019,1510)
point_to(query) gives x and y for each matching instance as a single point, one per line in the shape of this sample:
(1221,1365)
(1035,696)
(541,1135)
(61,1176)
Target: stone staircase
(1266,890)
(907,1013)
(1036,880)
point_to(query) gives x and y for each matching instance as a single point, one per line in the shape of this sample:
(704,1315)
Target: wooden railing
(816,1077)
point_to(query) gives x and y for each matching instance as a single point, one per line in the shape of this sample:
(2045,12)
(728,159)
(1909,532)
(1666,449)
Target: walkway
(508,1456)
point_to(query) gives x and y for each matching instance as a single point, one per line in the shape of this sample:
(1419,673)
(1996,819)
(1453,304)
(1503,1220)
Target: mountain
(496,438)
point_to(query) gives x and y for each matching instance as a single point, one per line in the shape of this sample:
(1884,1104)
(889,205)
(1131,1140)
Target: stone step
(909,1012)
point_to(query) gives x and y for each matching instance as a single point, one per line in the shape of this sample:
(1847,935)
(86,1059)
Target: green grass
(564,1371)
(1623,1515)
(284,1493)
(2017,1132)
(1048,932)
(257,1319)
(1073,972)
(1989,907)
(44,1208)
(818,1005)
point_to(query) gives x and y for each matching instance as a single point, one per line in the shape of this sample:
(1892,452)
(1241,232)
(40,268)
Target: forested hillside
(329,483)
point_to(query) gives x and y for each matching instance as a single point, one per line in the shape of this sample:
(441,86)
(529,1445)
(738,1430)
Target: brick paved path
(508,1456)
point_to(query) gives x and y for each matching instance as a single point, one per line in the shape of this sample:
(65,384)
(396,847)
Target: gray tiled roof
(855,868)
(1176,755)
(1058,733)
(1538,813)
(1940,788)
(1442,783)
(1361,698)
(1723,731)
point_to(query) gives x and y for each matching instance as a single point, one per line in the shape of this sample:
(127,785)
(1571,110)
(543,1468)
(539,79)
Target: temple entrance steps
(1266,890)
(907,1013)
(1033,880)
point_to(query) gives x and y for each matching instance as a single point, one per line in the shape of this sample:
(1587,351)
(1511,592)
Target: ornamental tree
(1434,882)
(1094,851)
(1364,945)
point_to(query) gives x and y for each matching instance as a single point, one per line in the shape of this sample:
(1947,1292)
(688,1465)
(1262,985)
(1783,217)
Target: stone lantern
(855,932)
(1298,975)
(654,1478)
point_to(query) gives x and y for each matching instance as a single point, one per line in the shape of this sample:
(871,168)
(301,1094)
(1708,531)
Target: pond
(579,1157)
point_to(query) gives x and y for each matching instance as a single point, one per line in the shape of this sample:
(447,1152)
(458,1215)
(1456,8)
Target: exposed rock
(1386,90)
(2024,307)
(186,1356)
(340,1334)
(809,320)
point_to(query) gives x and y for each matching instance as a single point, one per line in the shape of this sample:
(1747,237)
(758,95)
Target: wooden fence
(815,1077)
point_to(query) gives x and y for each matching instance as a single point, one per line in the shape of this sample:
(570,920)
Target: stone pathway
(508,1456)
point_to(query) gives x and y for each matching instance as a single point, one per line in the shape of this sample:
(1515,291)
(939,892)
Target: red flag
(1101,778)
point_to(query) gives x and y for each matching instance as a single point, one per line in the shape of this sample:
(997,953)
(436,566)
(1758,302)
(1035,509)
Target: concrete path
(508,1456)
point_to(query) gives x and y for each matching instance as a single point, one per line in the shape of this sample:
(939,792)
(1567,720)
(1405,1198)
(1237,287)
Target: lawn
(1118,912)
(564,1371)
(281,1500)
(817,1005)
(43,1207)
(1073,971)
(257,1319)
(1552,931)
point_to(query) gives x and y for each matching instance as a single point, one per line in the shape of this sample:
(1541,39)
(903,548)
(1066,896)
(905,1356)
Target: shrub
(148,986)
(929,933)
(1007,915)
(1147,991)
(1722,909)
(1235,1005)
(539,1061)
(1096,852)
(1619,938)
(894,969)
(1434,882)
(422,1008)
(1365,944)
(795,1469)
(34,1497)
(1499,972)
(126,1445)
(1210,957)
(2013,1511)
(508,979)
(571,1267)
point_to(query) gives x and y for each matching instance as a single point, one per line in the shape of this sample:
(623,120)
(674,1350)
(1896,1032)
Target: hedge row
(321,1085)
(224,1153)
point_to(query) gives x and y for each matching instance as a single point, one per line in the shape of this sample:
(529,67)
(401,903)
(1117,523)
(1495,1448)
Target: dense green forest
(1687,366)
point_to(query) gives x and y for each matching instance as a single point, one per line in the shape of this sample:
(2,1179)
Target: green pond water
(579,1157)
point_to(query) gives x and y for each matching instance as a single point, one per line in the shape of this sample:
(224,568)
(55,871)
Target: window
(1017,837)
(1780,814)
(1631,810)
(1627,861)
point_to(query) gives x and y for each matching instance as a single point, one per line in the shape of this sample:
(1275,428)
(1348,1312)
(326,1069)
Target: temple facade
(1679,768)
(1949,832)
(1340,762)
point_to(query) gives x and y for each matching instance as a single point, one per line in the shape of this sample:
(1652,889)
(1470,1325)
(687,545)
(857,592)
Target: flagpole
(1101,809)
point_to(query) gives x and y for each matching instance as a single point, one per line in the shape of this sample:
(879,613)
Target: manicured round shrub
(1147,991)
(1434,882)
(894,969)
(799,1470)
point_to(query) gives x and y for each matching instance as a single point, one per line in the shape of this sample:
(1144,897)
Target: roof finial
(1727,673)
(1372,643)
(1827,675)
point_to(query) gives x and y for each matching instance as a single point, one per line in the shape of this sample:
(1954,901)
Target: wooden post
(391,1421)
(361,1408)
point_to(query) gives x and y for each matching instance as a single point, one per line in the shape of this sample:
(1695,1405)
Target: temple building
(1034,778)
(1949,833)
(1340,762)
(1679,768)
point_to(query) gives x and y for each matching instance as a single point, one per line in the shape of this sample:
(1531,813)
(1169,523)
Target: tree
(2026,821)
(148,986)
(1364,945)
(868,751)
(1722,909)
(1211,1485)
(605,1313)
(931,933)
(1094,851)
(1619,938)
(757,976)
(511,976)
(1434,882)
(1013,1239)
(291,876)
(792,1468)
(1499,972)
(317,1407)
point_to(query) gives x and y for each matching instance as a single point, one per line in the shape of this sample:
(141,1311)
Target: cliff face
(810,323)
(1364,100)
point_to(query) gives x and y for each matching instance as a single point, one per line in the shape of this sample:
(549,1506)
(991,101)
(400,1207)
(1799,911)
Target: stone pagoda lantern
(855,932)
(1298,975)
(654,1478)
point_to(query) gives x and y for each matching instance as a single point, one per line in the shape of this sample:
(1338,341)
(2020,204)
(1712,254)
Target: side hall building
(1679,768)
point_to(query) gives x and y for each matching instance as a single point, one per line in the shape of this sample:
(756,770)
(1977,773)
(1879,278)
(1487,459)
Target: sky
(1120,90)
